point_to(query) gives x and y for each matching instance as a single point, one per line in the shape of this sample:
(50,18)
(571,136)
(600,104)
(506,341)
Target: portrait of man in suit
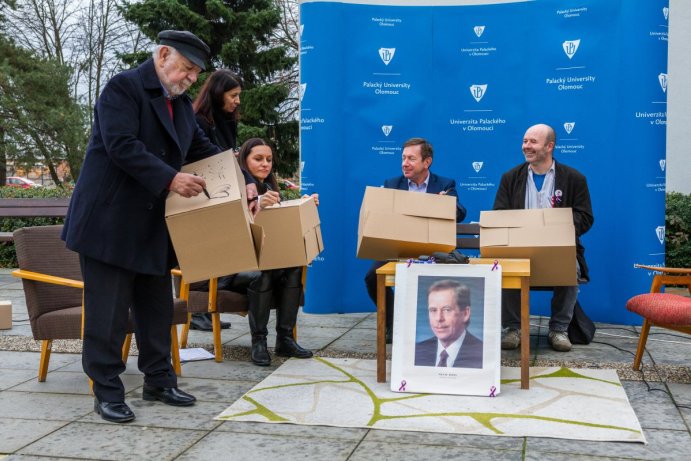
(449,311)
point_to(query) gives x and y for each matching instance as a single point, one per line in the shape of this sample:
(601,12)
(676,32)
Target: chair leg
(185,331)
(645,329)
(218,347)
(175,350)
(46,346)
(126,348)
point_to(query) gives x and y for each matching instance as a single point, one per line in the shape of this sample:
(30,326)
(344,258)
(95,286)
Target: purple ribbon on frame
(496,264)
(402,388)
(492,390)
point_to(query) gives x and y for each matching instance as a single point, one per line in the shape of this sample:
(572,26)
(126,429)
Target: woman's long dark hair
(245,150)
(210,97)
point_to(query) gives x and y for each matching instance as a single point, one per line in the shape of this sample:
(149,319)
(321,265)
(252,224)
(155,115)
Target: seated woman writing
(283,287)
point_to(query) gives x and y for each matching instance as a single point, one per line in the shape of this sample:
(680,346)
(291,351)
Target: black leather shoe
(287,347)
(203,322)
(168,395)
(115,412)
(200,322)
(260,354)
(388,336)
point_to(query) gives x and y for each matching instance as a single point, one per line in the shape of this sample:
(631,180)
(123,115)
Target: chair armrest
(37,276)
(666,270)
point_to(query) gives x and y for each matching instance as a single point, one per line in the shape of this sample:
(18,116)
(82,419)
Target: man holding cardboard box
(416,177)
(144,130)
(542,182)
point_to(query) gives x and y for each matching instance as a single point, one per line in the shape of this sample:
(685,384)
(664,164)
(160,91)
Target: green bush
(677,230)
(8,257)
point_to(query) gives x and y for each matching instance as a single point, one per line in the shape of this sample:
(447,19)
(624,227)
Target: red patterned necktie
(442,358)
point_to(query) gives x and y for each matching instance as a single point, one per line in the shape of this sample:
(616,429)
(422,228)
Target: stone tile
(200,416)
(10,378)
(114,442)
(253,447)
(231,370)
(450,440)
(61,382)
(664,346)
(539,456)
(356,340)
(51,407)
(29,360)
(131,367)
(293,430)
(330,320)
(655,409)
(682,397)
(662,445)
(208,390)
(367,451)
(17,433)
(22,329)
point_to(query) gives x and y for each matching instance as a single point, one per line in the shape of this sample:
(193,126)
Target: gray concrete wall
(679,98)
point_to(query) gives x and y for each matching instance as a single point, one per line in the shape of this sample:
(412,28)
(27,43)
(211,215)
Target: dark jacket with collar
(575,195)
(435,185)
(117,210)
(470,355)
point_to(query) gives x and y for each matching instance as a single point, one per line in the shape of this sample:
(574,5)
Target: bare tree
(287,34)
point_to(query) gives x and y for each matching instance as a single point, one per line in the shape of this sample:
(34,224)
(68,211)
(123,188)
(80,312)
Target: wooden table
(515,274)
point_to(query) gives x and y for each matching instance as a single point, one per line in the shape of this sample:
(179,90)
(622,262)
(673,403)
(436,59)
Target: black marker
(206,192)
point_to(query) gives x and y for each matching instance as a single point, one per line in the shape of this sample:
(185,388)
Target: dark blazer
(470,355)
(435,185)
(575,195)
(117,211)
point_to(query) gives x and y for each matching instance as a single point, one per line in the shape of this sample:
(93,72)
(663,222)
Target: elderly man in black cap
(144,131)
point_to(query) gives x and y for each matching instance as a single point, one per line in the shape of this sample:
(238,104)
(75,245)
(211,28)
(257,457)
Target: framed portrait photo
(447,329)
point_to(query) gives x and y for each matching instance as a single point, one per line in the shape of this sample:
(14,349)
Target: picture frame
(447,329)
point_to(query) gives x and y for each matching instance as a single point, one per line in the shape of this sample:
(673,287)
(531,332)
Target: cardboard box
(402,224)
(546,236)
(292,234)
(5,315)
(214,237)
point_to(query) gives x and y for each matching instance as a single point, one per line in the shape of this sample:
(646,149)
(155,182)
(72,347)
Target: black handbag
(581,329)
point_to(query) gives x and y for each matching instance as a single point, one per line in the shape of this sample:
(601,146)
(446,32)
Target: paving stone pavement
(55,420)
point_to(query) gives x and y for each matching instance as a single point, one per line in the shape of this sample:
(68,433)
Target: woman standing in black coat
(216,108)
(217,114)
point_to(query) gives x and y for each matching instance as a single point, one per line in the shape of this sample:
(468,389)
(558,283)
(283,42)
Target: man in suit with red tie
(416,177)
(144,131)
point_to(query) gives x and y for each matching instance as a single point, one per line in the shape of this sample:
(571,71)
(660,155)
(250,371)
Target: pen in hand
(445,192)
(206,192)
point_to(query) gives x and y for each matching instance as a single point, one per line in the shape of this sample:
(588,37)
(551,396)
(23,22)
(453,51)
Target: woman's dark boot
(286,316)
(259,305)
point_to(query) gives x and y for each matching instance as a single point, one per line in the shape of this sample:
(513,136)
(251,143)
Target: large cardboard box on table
(292,234)
(214,237)
(545,236)
(401,224)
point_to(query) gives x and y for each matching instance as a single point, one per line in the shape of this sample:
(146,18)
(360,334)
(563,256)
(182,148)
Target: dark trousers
(110,293)
(371,283)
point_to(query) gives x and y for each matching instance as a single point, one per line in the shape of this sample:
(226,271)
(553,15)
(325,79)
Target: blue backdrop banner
(472,79)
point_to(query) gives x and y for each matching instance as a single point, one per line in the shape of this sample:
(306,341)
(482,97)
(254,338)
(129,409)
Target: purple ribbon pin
(492,390)
(496,264)
(402,388)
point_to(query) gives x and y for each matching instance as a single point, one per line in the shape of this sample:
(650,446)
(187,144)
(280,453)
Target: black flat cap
(188,44)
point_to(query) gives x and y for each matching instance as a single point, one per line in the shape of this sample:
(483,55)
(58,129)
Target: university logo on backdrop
(570,47)
(302,28)
(477,166)
(665,11)
(662,78)
(478,91)
(386,129)
(660,232)
(569,126)
(479,30)
(303,89)
(663,163)
(386,54)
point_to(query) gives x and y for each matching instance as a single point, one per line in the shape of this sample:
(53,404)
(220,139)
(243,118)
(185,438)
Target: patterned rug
(566,403)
